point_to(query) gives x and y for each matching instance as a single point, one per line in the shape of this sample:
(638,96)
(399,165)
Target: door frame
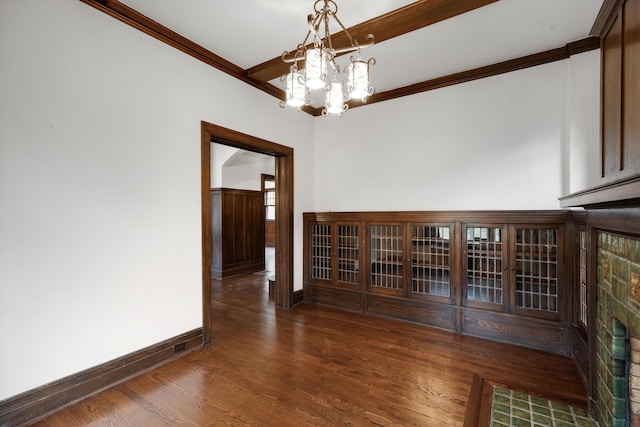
(284,213)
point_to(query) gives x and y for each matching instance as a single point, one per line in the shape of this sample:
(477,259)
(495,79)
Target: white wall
(495,143)
(584,167)
(219,155)
(100,230)
(241,169)
(244,170)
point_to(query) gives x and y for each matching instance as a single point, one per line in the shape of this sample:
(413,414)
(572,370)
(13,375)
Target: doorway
(283,290)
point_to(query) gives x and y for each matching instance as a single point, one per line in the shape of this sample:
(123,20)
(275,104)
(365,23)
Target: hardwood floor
(317,366)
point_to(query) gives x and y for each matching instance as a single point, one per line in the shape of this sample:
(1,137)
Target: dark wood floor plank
(317,366)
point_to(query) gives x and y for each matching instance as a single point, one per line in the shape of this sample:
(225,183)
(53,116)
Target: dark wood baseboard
(298,296)
(249,267)
(41,401)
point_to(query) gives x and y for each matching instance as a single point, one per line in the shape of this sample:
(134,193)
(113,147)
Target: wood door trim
(284,212)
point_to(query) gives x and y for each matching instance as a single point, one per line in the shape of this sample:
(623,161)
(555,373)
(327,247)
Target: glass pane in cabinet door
(536,269)
(386,256)
(321,251)
(348,254)
(484,264)
(430,260)
(584,318)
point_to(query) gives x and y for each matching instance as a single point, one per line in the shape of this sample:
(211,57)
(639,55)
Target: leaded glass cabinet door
(348,255)
(537,265)
(485,266)
(431,261)
(386,256)
(321,252)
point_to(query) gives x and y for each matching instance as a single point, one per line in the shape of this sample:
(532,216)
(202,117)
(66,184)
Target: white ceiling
(249,32)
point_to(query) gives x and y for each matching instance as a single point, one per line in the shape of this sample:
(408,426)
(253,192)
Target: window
(269,189)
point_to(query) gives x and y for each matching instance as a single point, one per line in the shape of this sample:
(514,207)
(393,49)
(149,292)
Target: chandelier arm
(313,22)
(327,33)
(354,48)
(351,39)
(298,54)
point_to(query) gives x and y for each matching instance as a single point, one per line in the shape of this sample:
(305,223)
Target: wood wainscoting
(34,404)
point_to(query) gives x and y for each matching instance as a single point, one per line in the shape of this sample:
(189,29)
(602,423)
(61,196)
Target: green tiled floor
(511,408)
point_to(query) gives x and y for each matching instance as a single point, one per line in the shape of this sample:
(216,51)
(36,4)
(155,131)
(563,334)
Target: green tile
(499,407)
(518,422)
(618,422)
(541,419)
(539,401)
(501,399)
(522,404)
(540,410)
(556,406)
(501,418)
(580,413)
(585,422)
(563,416)
(516,412)
(520,395)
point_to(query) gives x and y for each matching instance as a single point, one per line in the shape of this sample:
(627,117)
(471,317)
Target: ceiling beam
(573,48)
(414,16)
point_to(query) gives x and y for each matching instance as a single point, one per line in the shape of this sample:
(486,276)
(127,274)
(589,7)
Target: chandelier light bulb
(358,80)
(334,99)
(315,66)
(296,89)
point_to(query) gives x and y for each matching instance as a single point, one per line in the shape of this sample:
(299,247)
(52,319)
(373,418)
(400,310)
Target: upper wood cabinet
(621,93)
(618,25)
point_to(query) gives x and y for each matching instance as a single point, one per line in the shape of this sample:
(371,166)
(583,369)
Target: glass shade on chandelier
(320,68)
(296,90)
(315,67)
(334,100)
(358,79)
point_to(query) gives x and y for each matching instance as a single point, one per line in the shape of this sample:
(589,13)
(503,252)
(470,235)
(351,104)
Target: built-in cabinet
(336,254)
(237,235)
(498,275)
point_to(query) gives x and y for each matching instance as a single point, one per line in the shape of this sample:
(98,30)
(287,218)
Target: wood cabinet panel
(237,232)
(618,26)
(270,233)
(540,334)
(631,88)
(611,95)
(436,315)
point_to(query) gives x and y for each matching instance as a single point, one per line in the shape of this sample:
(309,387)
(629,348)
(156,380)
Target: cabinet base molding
(241,269)
(39,402)
(538,334)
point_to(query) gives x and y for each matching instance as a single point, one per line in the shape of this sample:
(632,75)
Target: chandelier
(320,68)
